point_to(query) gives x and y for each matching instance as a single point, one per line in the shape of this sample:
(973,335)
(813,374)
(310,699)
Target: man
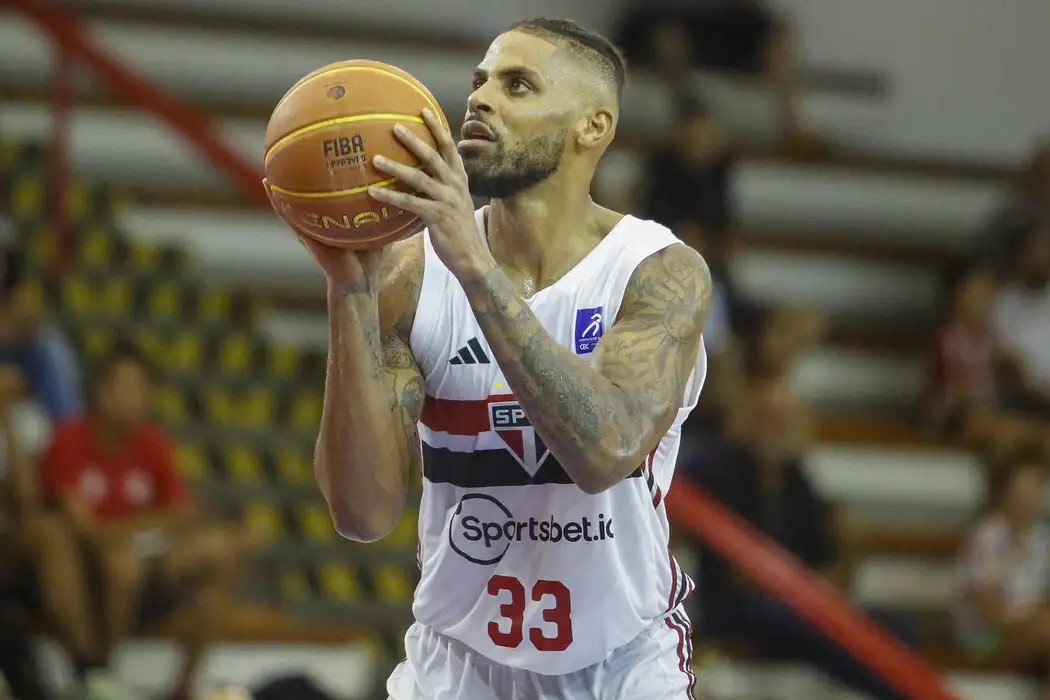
(113,476)
(549,349)
(762,478)
(40,351)
(1021,320)
(1002,582)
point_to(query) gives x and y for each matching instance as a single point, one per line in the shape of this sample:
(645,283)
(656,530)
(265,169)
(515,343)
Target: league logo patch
(588,330)
(508,420)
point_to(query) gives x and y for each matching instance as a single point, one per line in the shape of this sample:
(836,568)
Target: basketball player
(542,353)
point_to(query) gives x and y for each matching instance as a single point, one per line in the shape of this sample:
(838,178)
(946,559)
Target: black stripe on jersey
(686,588)
(484,468)
(478,352)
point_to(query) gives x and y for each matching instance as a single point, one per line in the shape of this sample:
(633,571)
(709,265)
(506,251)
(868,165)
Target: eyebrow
(510,71)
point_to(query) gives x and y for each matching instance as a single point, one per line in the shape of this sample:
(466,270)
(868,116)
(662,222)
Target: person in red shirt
(113,475)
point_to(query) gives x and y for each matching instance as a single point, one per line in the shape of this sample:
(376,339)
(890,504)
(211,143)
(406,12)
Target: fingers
(401,200)
(430,158)
(413,177)
(446,144)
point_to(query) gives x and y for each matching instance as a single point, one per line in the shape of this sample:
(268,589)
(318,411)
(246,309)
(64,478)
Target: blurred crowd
(100,537)
(988,379)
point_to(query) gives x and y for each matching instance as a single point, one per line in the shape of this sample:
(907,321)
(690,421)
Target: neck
(1019,526)
(540,233)
(109,434)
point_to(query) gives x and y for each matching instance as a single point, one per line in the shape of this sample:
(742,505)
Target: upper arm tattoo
(651,350)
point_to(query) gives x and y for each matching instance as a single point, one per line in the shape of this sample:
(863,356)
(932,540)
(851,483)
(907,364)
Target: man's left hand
(442,201)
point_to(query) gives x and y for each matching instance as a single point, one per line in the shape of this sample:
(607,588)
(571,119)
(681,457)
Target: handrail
(189,122)
(771,568)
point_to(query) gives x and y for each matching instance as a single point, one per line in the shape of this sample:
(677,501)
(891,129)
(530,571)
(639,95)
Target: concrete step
(845,380)
(218,65)
(900,486)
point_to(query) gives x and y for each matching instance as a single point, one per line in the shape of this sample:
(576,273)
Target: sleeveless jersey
(518,562)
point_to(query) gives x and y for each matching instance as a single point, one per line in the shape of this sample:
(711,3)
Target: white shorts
(655,665)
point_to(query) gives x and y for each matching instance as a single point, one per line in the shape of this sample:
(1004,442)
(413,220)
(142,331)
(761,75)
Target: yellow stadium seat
(264,520)
(218,407)
(77,295)
(171,404)
(294,585)
(305,411)
(294,467)
(236,353)
(40,247)
(193,462)
(283,361)
(114,297)
(95,249)
(392,583)
(339,582)
(184,352)
(151,344)
(32,291)
(77,198)
(27,197)
(243,464)
(165,300)
(316,524)
(214,305)
(96,343)
(8,151)
(144,256)
(406,533)
(251,410)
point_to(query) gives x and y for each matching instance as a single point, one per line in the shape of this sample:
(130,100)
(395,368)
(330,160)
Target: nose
(478,102)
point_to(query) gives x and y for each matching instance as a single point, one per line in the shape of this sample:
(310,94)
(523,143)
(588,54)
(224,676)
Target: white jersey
(517,562)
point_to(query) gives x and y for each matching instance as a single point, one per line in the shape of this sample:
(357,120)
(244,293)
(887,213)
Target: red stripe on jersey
(658,498)
(674,581)
(459,416)
(681,644)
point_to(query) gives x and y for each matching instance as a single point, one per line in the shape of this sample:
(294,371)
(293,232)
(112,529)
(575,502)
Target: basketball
(320,142)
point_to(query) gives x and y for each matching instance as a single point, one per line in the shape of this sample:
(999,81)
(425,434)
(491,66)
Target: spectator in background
(688,184)
(41,570)
(742,37)
(761,477)
(1002,574)
(114,478)
(965,388)
(40,351)
(1021,320)
(1028,203)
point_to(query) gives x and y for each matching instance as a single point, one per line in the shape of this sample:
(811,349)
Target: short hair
(597,51)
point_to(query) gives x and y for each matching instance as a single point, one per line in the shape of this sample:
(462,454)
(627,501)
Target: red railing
(691,509)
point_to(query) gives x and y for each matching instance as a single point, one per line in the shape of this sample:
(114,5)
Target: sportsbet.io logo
(482,529)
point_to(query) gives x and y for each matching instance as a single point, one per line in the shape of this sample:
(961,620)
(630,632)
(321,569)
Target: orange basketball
(320,143)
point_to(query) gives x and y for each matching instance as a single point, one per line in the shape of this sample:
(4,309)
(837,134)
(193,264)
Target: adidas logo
(470,354)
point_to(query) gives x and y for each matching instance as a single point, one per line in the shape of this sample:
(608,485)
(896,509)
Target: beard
(507,171)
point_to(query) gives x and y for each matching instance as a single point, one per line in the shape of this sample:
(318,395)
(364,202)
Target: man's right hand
(347,270)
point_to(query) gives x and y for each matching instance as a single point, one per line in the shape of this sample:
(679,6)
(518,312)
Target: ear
(596,128)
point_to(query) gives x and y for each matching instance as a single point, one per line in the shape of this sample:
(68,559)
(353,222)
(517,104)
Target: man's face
(1025,495)
(124,396)
(527,92)
(1034,260)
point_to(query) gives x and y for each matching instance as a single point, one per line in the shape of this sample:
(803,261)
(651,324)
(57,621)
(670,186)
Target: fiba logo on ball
(482,529)
(344,152)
